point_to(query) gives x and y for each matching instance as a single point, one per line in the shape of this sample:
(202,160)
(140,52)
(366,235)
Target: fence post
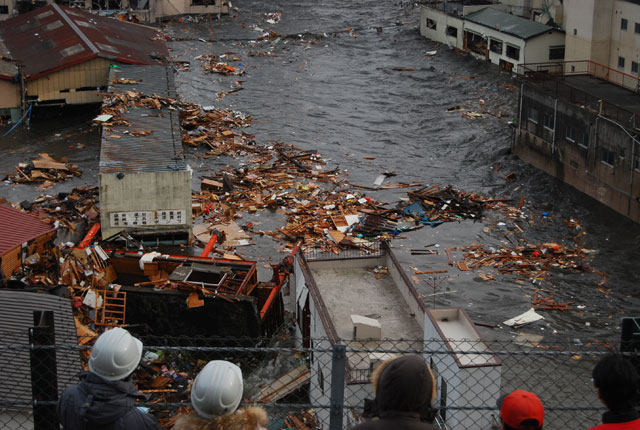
(338,364)
(44,379)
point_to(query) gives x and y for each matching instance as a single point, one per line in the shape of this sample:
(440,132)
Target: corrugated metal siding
(17,227)
(9,94)
(94,73)
(157,152)
(55,37)
(16,317)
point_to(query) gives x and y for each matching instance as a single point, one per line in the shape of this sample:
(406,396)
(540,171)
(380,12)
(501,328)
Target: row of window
(624,24)
(621,64)
(572,134)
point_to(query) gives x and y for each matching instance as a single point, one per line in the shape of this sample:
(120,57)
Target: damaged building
(61,56)
(145,183)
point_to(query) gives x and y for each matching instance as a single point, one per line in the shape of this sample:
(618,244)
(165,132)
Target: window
(608,157)
(575,31)
(636,162)
(571,134)
(634,67)
(549,122)
(621,63)
(623,24)
(431,24)
(495,45)
(556,52)
(637,28)
(533,115)
(583,139)
(452,31)
(4,10)
(513,52)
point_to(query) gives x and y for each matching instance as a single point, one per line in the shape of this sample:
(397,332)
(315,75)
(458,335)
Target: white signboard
(147,218)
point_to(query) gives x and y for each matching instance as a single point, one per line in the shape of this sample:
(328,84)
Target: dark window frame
(493,46)
(621,61)
(624,24)
(510,54)
(608,157)
(637,28)
(533,115)
(634,67)
(549,122)
(571,134)
(431,24)
(554,52)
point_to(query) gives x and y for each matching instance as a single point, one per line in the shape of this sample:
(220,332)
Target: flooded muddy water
(352,81)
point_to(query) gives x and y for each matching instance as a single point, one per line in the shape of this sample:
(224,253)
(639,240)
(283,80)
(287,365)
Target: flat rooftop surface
(604,90)
(347,291)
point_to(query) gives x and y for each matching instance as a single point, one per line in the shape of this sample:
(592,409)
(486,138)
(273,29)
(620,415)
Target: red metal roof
(17,227)
(55,37)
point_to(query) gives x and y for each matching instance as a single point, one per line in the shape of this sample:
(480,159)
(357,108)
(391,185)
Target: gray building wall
(583,149)
(144,192)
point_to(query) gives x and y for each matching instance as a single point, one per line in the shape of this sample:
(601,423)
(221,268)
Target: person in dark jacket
(404,388)
(618,384)
(104,400)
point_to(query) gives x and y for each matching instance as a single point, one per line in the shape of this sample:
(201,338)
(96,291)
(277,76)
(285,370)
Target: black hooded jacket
(98,404)
(404,390)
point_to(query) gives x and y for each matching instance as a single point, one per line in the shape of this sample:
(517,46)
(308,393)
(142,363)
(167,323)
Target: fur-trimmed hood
(252,418)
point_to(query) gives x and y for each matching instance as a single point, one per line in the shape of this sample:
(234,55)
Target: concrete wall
(578,157)
(537,48)
(164,8)
(442,20)
(9,94)
(149,191)
(74,85)
(625,43)
(589,29)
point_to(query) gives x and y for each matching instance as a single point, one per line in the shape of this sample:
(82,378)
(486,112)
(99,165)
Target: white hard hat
(115,355)
(217,389)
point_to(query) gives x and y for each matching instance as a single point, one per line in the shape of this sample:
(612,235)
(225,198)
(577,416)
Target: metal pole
(338,364)
(44,378)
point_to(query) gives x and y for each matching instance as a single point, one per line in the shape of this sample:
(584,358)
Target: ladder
(113,309)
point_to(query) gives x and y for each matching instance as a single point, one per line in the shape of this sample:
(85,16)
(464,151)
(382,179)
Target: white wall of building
(442,21)
(625,43)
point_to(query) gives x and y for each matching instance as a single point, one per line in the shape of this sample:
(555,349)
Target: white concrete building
(345,301)
(606,32)
(489,33)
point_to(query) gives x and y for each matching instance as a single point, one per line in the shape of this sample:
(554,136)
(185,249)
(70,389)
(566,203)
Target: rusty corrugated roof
(55,37)
(17,227)
(8,68)
(161,151)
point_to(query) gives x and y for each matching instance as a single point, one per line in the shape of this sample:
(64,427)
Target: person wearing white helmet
(216,394)
(104,399)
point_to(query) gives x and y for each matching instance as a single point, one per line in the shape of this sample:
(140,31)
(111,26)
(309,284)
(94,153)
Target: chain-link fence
(311,383)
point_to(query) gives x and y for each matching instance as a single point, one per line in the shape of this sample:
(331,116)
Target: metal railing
(292,381)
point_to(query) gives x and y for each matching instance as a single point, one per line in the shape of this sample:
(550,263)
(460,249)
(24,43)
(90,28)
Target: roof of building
(159,151)
(508,24)
(8,68)
(18,227)
(55,37)
(16,318)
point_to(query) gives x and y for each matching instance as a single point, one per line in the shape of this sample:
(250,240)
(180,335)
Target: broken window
(475,43)
(431,24)
(549,122)
(608,157)
(556,52)
(495,45)
(513,52)
(452,31)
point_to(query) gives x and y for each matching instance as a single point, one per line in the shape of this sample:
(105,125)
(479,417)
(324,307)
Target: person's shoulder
(139,420)
(387,424)
(629,425)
